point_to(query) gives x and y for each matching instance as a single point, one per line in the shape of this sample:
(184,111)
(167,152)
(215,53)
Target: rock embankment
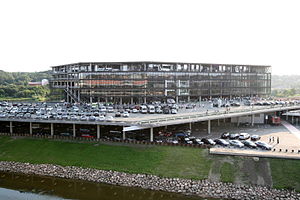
(201,188)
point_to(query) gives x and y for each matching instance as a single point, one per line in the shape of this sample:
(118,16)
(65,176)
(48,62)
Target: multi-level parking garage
(141,82)
(144,127)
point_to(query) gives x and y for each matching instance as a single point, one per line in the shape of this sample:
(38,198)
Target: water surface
(32,187)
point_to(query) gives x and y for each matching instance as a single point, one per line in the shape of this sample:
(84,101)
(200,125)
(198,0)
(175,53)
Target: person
(273,139)
(277,140)
(270,139)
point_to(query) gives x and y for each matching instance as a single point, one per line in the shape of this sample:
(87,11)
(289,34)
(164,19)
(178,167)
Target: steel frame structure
(141,82)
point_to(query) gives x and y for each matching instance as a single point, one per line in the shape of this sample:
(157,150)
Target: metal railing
(224,113)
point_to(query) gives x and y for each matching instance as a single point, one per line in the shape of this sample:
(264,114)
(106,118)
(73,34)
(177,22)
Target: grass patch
(285,173)
(159,160)
(227,172)
(184,162)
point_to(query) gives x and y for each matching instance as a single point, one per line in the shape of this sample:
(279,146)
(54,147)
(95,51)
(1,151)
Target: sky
(35,35)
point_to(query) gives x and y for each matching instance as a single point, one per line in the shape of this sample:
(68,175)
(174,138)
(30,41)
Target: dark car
(118,114)
(208,141)
(225,135)
(166,111)
(250,144)
(263,145)
(221,142)
(234,136)
(255,137)
(236,104)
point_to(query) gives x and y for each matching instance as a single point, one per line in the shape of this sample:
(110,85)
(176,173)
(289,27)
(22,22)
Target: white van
(144,109)
(151,109)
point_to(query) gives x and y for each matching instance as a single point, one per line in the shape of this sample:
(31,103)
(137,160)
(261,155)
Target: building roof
(157,62)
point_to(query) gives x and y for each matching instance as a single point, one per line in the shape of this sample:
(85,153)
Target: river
(32,187)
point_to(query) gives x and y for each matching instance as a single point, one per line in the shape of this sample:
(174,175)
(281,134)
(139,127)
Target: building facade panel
(146,81)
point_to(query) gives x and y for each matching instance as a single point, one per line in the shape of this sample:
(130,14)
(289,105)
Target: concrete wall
(258,119)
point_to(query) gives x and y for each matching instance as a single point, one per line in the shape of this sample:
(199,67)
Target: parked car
(100,118)
(250,144)
(198,141)
(225,135)
(173,111)
(188,141)
(234,136)
(236,104)
(221,142)
(118,114)
(83,118)
(263,145)
(92,118)
(110,109)
(87,135)
(125,114)
(109,118)
(255,137)
(134,110)
(208,141)
(236,143)
(65,134)
(244,136)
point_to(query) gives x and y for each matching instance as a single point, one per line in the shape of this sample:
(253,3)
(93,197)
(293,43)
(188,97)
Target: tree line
(15,85)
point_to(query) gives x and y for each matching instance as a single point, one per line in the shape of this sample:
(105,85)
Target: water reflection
(57,188)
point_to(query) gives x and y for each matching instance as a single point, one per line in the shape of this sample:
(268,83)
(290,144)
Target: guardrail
(218,113)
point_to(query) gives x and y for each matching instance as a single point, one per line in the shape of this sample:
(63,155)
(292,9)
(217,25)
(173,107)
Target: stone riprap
(202,188)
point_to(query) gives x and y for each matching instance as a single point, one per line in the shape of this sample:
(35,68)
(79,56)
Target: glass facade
(146,81)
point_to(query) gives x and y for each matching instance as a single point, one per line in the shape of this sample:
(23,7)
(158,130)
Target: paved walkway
(288,146)
(291,128)
(255,153)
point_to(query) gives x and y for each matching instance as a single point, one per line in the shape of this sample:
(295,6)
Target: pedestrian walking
(277,140)
(270,139)
(273,139)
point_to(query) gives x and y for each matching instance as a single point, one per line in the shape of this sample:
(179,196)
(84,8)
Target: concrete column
(151,134)
(189,99)
(208,127)
(200,100)
(224,120)
(292,119)
(286,117)
(131,99)
(252,120)
(177,100)
(190,126)
(238,121)
(106,100)
(124,135)
(10,127)
(74,130)
(121,100)
(91,99)
(98,131)
(78,96)
(145,100)
(51,129)
(218,122)
(30,128)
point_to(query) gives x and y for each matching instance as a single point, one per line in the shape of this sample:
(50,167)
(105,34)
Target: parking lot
(114,112)
(284,143)
(181,133)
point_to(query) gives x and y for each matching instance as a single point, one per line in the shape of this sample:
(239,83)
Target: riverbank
(202,188)
(161,161)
